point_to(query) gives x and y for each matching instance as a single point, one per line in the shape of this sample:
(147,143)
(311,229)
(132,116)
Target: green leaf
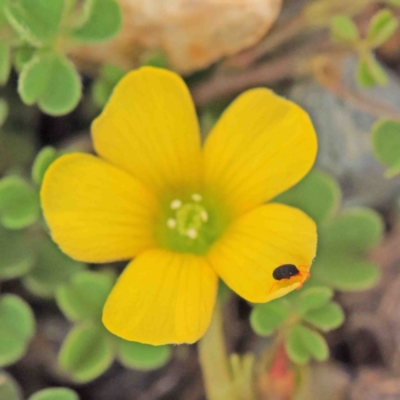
(344,30)
(383,26)
(52,81)
(110,75)
(313,342)
(142,356)
(16,329)
(35,21)
(395,3)
(5,61)
(354,231)
(344,273)
(364,76)
(295,348)
(55,394)
(84,297)
(52,269)
(265,318)
(19,203)
(386,142)
(23,55)
(3,19)
(9,389)
(103,23)
(313,298)
(3,111)
(87,352)
(43,160)
(370,72)
(318,195)
(328,317)
(17,254)
(393,170)
(376,71)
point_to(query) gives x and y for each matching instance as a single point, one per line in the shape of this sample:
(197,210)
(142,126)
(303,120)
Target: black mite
(285,271)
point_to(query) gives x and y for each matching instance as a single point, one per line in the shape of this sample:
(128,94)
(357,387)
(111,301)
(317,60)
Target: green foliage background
(36,38)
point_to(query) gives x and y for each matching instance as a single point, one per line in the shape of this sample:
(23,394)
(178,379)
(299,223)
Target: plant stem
(214,361)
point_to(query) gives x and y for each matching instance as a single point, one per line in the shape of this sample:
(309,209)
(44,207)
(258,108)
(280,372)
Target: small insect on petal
(285,271)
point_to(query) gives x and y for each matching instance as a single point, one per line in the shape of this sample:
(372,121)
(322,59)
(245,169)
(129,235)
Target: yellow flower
(184,213)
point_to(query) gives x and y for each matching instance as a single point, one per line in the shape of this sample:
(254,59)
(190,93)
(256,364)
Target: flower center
(189,217)
(190,224)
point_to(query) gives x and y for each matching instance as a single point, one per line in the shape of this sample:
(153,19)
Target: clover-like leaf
(17,253)
(103,21)
(52,269)
(36,21)
(5,61)
(370,72)
(142,356)
(51,81)
(303,343)
(19,203)
(328,317)
(3,19)
(345,273)
(364,76)
(84,297)
(386,144)
(314,342)
(312,299)
(295,348)
(354,231)
(318,195)
(382,27)
(9,389)
(55,394)
(265,318)
(23,55)
(344,30)
(43,160)
(87,352)
(16,329)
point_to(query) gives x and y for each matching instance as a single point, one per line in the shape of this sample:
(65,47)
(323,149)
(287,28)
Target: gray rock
(344,133)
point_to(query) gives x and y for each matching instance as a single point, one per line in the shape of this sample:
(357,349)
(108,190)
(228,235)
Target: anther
(196,197)
(171,223)
(191,233)
(204,216)
(175,204)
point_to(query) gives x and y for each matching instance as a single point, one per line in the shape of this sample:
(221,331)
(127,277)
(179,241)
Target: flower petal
(162,297)
(149,128)
(261,146)
(97,213)
(260,241)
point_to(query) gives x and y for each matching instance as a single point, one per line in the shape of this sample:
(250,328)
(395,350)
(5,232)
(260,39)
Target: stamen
(171,223)
(197,197)
(191,233)
(204,216)
(175,204)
